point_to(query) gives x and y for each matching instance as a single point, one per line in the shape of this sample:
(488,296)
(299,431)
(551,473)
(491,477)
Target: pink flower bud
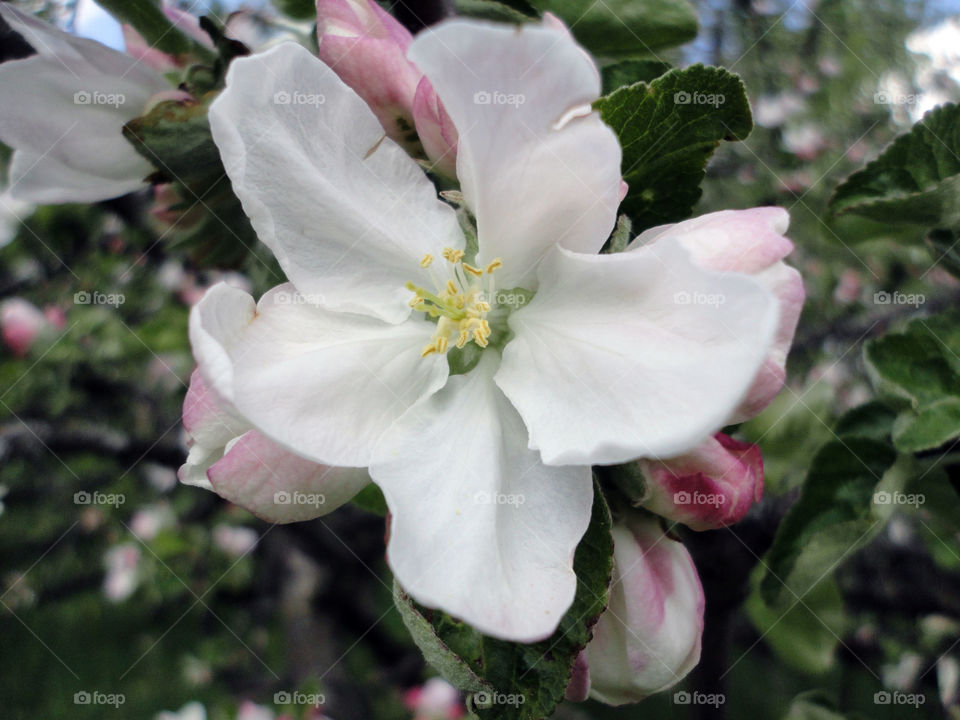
(435,700)
(367,48)
(648,638)
(21,322)
(435,128)
(711,486)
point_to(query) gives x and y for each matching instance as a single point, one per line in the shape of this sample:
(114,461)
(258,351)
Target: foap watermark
(284,97)
(82,497)
(883,297)
(489,498)
(682,697)
(883,97)
(699,298)
(95,97)
(485,699)
(683,497)
(885,697)
(282,497)
(282,297)
(698,98)
(495,97)
(98,298)
(898,498)
(507,298)
(285,697)
(86,697)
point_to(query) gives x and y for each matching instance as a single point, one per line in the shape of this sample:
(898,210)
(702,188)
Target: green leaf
(175,137)
(297,9)
(915,180)
(146,17)
(619,28)
(831,519)
(633,70)
(918,372)
(872,420)
(812,706)
(512,11)
(668,130)
(535,676)
(805,636)
(371,499)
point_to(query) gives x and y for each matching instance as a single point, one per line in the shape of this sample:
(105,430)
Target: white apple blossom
(74,97)
(461,376)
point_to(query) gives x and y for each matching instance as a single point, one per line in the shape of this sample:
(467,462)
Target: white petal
(480,527)
(279,486)
(633,354)
(529,183)
(323,384)
(68,151)
(348,214)
(63,114)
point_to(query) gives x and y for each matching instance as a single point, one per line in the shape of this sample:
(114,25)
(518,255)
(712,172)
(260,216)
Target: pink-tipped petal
(712,486)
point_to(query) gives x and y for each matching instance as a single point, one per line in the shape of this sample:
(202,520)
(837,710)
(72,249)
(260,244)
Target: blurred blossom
(21,323)
(196,672)
(12,212)
(938,66)
(147,522)
(235,540)
(123,571)
(805,140)
(251,711)
(849,287)
(649,636)
(772,111)
(435,700)
(67,139)
(169,211)
(17,591)
(948,680)
(190,711)
(903,674)
(160,477)
(829,66)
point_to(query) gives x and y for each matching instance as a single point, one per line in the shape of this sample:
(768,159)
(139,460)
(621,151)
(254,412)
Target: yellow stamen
(476,272)
(427,261)
(453,256)
(494,264)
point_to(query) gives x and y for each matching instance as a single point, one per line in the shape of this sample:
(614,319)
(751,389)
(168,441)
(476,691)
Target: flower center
(460,304)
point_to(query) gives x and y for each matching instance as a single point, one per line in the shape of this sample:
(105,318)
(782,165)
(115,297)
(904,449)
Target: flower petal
(745,241)
(67,138)
(535,165)
(347,212)
(649,637)
(634,354)
(279,486)
(480,527)
(712,486)
(323,384)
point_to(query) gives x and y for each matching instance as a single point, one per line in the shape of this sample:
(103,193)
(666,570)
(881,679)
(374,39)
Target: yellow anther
(479,338)
(451,289)
(494,264)
(482,306)
(428,350)
(415,300)
(477,272)
(427,261)
(452,255)
(441,345)
(463,338)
